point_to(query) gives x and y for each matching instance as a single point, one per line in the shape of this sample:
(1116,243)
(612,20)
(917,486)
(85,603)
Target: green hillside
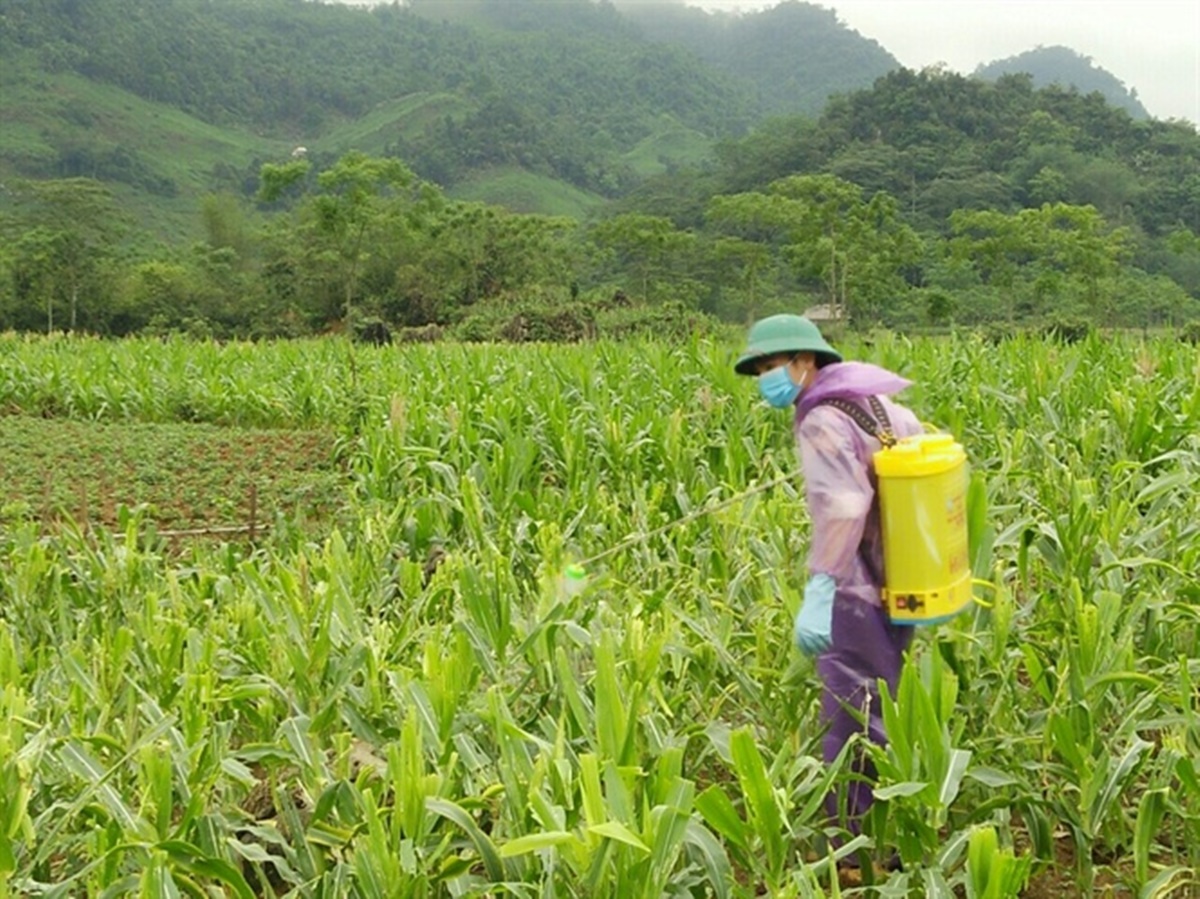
(564,99)
(674,146)
(157,159)
(518,170)
(402,118)
(528,192)
(796,55)
(169,100)
(1066,68)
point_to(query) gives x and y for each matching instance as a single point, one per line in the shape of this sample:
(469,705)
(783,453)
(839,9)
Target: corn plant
(992,872)
(410,699)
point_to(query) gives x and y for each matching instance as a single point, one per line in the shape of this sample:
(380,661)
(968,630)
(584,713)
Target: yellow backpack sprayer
(922,484)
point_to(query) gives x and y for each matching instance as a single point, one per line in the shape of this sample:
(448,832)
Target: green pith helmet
(784,334)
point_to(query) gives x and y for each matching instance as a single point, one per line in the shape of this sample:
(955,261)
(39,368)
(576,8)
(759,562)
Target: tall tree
(66,227)
(1072,242)
(856,248)
(355,199)
(648,245)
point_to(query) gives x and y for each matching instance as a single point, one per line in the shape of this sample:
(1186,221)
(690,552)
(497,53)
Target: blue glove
(813,632)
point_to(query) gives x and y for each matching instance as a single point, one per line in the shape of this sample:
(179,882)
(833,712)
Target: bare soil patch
(186,476)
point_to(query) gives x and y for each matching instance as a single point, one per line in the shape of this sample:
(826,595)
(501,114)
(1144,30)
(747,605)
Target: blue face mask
(778,388)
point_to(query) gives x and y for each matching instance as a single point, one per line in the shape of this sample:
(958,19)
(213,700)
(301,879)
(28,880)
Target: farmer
(842,621)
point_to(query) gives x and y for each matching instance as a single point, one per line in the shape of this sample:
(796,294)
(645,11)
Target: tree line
(365,243)
(928,199)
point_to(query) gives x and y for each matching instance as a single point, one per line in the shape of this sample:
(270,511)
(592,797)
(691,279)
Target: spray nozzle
(574,580)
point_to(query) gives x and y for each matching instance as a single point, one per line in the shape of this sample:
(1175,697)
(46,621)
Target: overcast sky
(1151,45)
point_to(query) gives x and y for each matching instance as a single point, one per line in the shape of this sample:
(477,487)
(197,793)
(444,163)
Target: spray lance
(575,576)
(925,511)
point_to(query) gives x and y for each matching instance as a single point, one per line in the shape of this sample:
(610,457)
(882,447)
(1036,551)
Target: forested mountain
(563,101)
(571,90)
(972,167)
(938,142)
(796,55)
(472,94)
(1066,68)
(284,166)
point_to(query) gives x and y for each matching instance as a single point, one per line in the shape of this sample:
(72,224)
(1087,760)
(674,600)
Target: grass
(522,191)
(405,117)
(168,143)
(674,145)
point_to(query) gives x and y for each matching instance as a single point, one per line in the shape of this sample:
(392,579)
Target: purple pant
(866,648)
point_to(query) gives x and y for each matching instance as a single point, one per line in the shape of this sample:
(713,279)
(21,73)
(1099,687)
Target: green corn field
(399,692)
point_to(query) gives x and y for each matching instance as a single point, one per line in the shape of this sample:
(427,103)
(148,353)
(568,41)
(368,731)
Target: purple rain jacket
(847,544)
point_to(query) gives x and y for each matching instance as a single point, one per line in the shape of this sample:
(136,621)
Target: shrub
(1067,329)
(422,334)
(373,330)
(575,322)
(528,323)
(670,320)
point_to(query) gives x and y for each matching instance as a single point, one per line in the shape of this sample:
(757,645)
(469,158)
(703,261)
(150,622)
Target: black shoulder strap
(879,427)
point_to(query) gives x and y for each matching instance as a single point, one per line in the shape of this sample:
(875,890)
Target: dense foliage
(414,700)
(938,141)
(364,245)
(928,200)
(942,146)
(562,99)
